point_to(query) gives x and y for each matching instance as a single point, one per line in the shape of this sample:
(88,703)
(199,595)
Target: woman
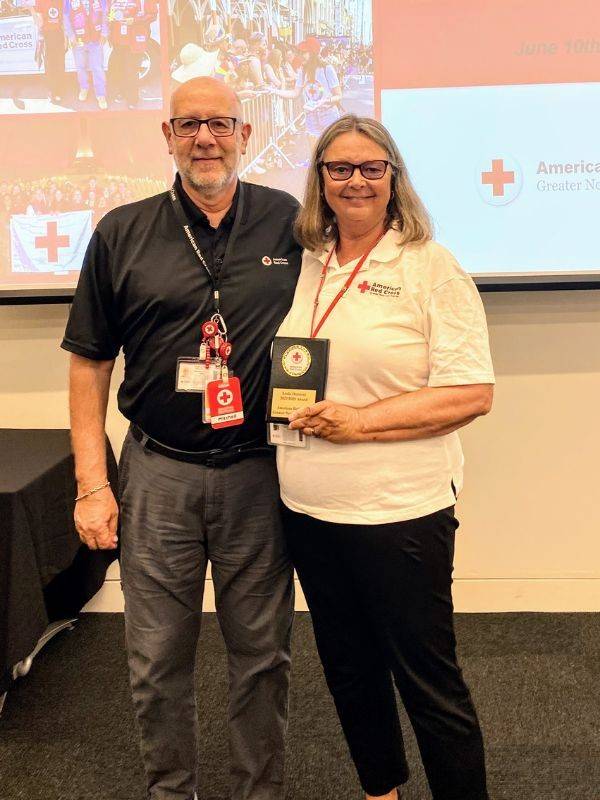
(275,78)
(319,86)
(288,68)
(273,71)
(369,504)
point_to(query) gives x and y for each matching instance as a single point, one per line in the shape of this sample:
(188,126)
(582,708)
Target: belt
(209,458)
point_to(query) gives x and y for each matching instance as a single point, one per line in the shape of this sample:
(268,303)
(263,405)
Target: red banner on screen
(437,43)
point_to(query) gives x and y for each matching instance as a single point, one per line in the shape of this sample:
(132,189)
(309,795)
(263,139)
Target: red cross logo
(297,357)
(52,241)
(224,397)
(364,287)
(498,177)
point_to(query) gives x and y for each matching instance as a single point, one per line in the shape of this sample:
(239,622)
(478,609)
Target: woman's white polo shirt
(412,318)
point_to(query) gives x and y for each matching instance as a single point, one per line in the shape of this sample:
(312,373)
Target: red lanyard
(343,290)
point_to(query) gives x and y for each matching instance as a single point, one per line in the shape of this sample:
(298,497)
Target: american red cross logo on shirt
(364,287)
(52,241)
(498,177)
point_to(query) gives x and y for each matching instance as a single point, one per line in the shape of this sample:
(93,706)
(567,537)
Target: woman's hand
(327,420)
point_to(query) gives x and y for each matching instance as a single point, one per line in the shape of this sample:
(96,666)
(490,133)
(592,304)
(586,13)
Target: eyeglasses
(344,170)
(189,126)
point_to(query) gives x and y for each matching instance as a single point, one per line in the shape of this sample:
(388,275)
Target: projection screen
(494,106)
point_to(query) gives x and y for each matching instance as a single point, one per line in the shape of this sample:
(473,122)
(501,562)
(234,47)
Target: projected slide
(84,87)
(296,70)
(495,107)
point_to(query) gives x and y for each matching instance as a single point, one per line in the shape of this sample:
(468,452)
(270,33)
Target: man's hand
(327,420)
(96,520)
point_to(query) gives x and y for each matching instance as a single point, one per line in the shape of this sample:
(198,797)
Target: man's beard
(207,184)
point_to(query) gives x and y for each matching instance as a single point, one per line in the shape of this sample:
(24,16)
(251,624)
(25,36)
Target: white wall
(529,538)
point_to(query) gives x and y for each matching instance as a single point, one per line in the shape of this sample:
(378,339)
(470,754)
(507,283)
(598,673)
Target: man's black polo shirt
(143,288)
(212,242)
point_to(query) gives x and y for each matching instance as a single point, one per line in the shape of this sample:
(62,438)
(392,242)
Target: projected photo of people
(79,55)
(296,66)
(51,199)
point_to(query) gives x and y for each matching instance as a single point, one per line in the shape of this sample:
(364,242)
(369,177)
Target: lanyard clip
(218,319)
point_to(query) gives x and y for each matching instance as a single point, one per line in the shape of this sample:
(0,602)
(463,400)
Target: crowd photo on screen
(69,204)
(296,69)
(64,173)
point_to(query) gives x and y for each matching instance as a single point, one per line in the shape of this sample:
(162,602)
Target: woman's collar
(385,250)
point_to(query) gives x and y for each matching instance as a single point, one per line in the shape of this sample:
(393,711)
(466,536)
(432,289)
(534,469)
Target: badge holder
(223,406)
(280,434)
(194,373)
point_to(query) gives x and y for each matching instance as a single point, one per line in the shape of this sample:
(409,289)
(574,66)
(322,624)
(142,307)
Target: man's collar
(195,214)
(385,250)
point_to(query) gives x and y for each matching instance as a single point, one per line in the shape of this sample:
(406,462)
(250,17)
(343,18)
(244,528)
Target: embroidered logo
(267,261)
(380,289)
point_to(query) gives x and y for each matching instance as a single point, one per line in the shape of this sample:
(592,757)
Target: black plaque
(298,375)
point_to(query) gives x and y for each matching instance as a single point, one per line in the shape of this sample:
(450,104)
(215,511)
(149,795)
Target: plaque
(298,375)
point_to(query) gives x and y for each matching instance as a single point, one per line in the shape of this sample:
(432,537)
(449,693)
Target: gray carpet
(67,732)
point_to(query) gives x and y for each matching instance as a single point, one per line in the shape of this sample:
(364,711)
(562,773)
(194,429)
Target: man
(189,492)
(86,28)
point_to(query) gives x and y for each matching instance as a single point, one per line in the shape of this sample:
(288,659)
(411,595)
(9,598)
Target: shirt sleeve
(459,350)
(92,330)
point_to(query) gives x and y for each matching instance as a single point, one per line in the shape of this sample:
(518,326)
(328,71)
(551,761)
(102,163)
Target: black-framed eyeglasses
(344,170)
(189,126)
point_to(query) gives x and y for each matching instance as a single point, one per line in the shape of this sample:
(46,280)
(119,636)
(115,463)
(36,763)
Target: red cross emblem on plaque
(498,177)
(297,357)
(52,241)
(364,287)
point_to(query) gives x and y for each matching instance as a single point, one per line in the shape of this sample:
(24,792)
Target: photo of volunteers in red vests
(79,55)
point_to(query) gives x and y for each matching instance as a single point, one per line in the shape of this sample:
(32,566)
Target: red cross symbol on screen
(52,241)
(297,357)
(364,287)
(498,177)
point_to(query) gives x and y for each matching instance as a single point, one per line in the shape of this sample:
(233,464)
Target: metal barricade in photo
(272,118)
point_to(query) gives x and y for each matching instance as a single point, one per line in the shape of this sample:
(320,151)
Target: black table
(46,574)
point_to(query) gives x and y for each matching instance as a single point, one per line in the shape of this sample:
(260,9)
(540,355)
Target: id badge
(193,374)
(224,399)
(124,30)
(282,435)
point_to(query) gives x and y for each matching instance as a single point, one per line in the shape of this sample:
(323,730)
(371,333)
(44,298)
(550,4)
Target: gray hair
(316,225)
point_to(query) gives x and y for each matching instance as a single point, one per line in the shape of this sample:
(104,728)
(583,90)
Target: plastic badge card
(193,374)
(281,434)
